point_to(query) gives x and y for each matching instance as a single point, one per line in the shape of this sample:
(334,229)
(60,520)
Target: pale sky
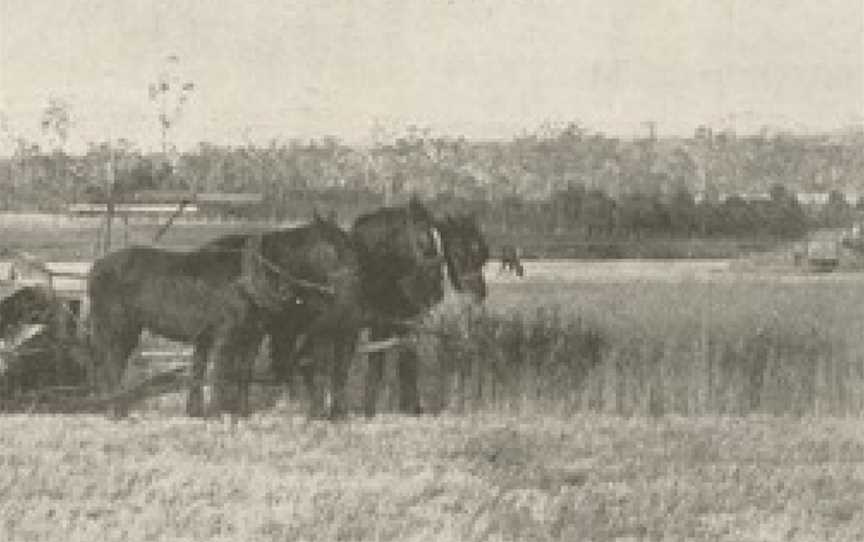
(483,68)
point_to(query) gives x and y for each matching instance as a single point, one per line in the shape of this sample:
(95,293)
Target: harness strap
(252,251)
(253,277)
(302,283)
(436,242)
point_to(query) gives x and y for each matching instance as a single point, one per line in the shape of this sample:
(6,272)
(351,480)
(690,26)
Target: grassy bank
(451,478)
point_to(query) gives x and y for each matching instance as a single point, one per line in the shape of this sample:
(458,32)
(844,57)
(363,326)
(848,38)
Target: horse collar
(436,239)
(439,253)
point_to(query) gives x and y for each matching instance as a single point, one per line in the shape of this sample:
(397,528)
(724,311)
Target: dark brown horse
(38,330)
(219,299)
(404,254)
(403,276)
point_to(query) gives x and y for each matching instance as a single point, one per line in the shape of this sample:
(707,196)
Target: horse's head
(424,256)
(465,253)
(401,259)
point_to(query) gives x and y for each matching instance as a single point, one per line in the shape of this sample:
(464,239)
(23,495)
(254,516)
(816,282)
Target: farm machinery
(45,361)
(829,250)
(47,365)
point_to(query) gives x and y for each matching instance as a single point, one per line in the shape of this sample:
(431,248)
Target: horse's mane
(414,209)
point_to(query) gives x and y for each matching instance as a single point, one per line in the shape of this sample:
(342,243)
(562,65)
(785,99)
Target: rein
(253,249)
(303,283)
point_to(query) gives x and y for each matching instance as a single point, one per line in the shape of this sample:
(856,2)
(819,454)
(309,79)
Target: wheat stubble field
(474,477)
(671,404)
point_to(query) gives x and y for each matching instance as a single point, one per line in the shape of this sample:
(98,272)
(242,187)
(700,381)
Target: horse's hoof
(316,416)
(195,411)
(117,415)
(338,416)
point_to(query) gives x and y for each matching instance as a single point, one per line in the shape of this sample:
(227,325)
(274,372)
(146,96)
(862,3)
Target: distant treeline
(559,179)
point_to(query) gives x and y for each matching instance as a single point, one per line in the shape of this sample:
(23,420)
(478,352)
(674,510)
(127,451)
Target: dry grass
(450,478)
(536,456)
(690,347)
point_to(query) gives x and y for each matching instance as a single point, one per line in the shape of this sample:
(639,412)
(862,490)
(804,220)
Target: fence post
(621,381)
(843,375)
(697,379)
(854,380)
(705,340)
(818,379)
(657,363)
(772,365)
(481,384)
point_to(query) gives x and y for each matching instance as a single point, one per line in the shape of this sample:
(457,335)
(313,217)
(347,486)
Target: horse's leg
(115,368)
(234,346)
(114,337)
(225,369)
(308,360)
(374,375)
(283,362)
(249,343)
(195,399)
(409,396)
(343,352)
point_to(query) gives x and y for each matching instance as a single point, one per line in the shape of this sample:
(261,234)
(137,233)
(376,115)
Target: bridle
(434,234)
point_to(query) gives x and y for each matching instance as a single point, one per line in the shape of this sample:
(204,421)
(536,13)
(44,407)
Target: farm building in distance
(168,202)
(804,198)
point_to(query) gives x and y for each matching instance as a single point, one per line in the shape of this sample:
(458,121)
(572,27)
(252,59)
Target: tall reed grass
(635,349)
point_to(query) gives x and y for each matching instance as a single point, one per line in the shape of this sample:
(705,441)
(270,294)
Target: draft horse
(219,299)
(291,325)
(404,254)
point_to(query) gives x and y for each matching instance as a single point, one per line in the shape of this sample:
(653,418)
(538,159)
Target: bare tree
(55,123)
(170,94)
